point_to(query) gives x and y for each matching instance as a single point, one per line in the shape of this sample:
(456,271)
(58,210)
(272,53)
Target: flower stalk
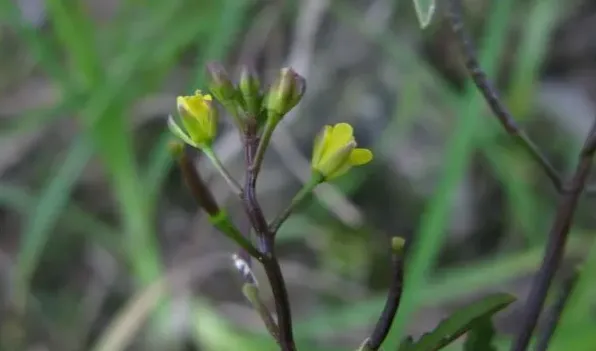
(236,188)
(298,199)
(206,200)
(257,117)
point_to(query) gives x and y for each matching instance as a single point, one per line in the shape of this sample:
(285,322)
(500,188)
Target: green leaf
(407,344)
(462,321)
(425,10)
(481,335)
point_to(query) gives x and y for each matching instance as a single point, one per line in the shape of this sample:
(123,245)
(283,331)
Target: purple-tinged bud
(285,93)
(220,84)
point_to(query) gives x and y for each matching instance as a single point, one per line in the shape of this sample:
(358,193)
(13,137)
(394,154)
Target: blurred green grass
(109,70)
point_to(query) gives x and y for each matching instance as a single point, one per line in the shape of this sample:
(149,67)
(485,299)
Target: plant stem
(554,317)
(306,190)
(557,239)
(267,239)
(282,303)
(569,191)
(251,292)
(263,144)
(250,202)
(232,109)
(381,330)
(236,188)
(556,243)
(198,189)
(223,223)
(206,200)
(491,96)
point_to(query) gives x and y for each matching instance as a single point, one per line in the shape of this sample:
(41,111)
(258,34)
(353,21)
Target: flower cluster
(335,150)
(257,112)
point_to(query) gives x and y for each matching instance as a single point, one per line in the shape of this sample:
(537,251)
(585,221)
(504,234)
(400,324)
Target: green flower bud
(285,93)
(250,91)
(220,84)
(199,120)
(397,245)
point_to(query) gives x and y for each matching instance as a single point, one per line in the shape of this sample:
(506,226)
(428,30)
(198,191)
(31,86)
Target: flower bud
(285,93)
(250,91)
(397,245)
(220,84)
(199,119)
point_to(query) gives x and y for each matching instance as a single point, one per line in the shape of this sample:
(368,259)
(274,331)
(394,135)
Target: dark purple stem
(267,243)
(381,330)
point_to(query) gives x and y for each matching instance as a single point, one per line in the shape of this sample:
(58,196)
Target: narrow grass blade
(44,215)
(459,150)
(73,218)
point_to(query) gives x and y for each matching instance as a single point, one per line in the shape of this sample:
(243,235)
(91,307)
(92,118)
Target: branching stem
(569,191)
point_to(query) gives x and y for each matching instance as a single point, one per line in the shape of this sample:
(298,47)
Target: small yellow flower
(199,119)
(335,151)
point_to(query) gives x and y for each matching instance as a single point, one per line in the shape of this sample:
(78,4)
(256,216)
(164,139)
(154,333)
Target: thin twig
(299,198)
(251,292)
(381,330)
(199,190)
(491,95)
(250,289)
(236,188)
(557,239)
(206,200)
(554,316)
(269,259)
(262,147)
(569,191)
(251,204)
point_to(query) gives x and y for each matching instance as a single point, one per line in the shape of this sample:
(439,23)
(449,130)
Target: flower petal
(206,97)
(208,120)
(181,104)
(341,135)
(321,142)
(360,156)
(199,117)
(196,105)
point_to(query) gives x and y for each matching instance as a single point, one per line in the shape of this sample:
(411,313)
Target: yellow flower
(199,119)
(335,151)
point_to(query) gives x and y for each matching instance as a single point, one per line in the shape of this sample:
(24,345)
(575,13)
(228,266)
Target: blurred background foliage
(97,231)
